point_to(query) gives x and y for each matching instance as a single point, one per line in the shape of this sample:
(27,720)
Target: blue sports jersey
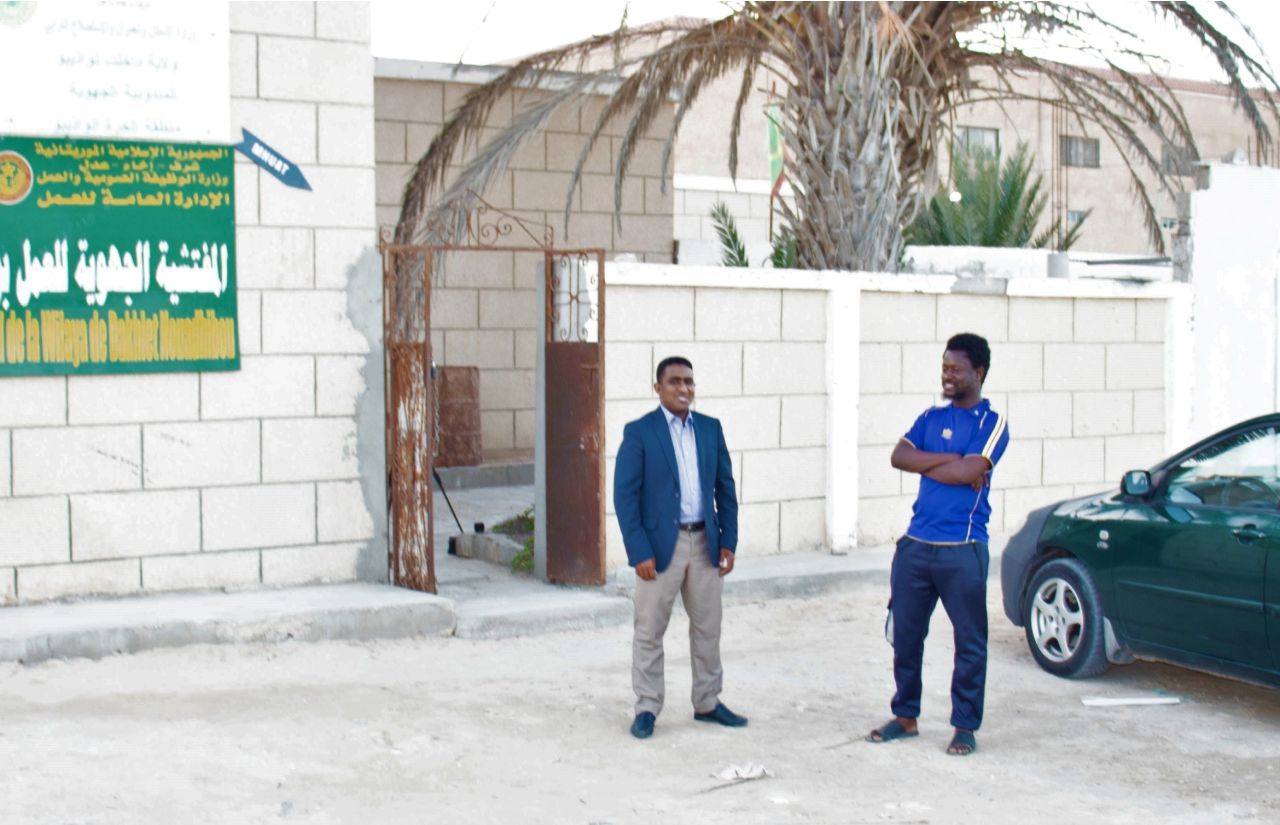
(954,513)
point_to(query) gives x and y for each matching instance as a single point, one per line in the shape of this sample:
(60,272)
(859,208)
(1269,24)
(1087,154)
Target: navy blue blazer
(646,489)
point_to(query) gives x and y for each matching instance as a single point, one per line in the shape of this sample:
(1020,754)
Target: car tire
(1063,620)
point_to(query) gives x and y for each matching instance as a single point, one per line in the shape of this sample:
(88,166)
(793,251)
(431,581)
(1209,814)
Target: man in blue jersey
(943,555)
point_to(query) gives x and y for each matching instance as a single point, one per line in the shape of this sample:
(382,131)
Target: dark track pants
(922,573)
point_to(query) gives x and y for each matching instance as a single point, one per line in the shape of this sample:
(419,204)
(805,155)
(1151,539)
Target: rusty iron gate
(573,335)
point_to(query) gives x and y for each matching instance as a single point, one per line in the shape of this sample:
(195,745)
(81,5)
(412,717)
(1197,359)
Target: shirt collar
(672,417)
(980,407)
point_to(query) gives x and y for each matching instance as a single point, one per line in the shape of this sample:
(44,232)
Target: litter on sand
(743,773)
(1121,701)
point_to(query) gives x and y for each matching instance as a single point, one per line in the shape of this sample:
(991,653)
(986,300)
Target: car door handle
(1248,533)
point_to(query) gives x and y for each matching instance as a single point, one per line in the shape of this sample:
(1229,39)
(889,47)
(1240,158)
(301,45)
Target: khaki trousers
(698,581)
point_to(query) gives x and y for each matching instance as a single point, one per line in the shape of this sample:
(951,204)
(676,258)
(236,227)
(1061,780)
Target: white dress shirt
(685,443)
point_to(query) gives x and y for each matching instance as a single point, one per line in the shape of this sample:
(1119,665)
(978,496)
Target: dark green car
(1181,565)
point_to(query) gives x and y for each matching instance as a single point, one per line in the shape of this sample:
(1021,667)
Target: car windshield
(1242,470)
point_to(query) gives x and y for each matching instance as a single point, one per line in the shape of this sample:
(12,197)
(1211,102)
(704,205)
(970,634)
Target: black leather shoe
(721,715)
(642,728)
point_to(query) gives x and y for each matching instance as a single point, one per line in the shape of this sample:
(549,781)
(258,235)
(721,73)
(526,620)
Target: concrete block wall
(1082,381)
(484,307)
(122,484)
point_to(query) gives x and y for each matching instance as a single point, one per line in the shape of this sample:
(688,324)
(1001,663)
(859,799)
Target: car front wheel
(1063,620)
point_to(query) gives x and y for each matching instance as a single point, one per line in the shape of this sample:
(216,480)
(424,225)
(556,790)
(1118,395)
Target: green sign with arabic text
(116,256)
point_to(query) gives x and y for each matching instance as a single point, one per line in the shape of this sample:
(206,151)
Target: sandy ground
(534,730)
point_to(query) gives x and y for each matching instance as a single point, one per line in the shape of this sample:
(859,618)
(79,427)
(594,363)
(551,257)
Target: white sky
(489,31)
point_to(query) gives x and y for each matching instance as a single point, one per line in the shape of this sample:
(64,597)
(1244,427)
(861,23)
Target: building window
(1079,151)
(1178,160)
(1074,216)
(978,137)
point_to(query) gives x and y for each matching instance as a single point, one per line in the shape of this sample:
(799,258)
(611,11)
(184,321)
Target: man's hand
(647,570)
(726,562)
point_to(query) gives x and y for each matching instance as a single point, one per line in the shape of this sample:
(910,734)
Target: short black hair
(668,361)
(974,346)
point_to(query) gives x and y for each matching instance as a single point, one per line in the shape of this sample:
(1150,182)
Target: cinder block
(618,414)
(1131,452)
(1073,461)
(340,198)
(497,429)
(882,520)
(644,233)
(343,21)
(260,515)
(244,65)
(273,18)
(337,251)
(322,71)
(8,586)
(738,315)
(1018,502)
(1075,367)
(687,229)
(1148,411)
(649,314)
(628,371)
(121,525)
(341,512)
(772,475)
(478,269)
(757,530)
(562,156)
(598,194)
(803,525)
(201,571)
(291,126)
(1016,367)
(100,578)
(76,460)
(412,100)
(585,230)
(646,158)
(1102,413)
(525,434)
(717,368)
(880,368)
(526,341)
(201,454)
(1105,319)
(509,309)
(272,258)
(883,419)
(389,180)
(35,531)
(987,315)
(658,201)
(499,115)
(591,111)
(1040,414)
(750,423)
(531,153)
(1150,321)
(1135,366)
(119,399)
(506,389)
(527,270)
(33,402)
(309,449)
(454,308)
(6,469)
(876,476)
(246,184)
(894,317)
(320,563)
(389,141)
(1041,319)
(315,321)
(543,191)
(340,383)
(804,316)
(266,386)
(484,348)
(784,368)
(922,368)
(804,421)
(1021,466)
(249,321)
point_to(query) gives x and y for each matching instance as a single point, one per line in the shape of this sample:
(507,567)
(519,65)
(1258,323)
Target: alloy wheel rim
(1057,620)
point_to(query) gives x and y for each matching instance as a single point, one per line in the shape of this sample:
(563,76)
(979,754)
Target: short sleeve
(915,435)
(990,438)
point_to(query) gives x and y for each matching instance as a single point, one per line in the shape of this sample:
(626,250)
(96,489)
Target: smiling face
(960,381)
(675,389)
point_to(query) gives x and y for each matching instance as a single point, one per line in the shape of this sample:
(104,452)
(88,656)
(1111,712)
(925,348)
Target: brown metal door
(574,364)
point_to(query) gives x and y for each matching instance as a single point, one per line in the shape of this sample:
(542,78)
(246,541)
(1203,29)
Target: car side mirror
(1136,483)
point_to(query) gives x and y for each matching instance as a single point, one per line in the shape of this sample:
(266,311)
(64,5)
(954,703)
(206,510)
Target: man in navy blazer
(677,506)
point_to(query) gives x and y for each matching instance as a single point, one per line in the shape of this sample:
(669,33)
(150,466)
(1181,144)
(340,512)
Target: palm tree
(870,93)
(991,204)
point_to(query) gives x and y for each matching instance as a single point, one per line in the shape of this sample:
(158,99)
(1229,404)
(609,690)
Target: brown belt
(694,527)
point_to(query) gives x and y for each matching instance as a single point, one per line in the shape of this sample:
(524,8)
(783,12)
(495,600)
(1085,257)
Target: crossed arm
(946,468)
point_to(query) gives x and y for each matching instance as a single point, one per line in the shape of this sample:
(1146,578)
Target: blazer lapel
(704,454)
(663,434)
